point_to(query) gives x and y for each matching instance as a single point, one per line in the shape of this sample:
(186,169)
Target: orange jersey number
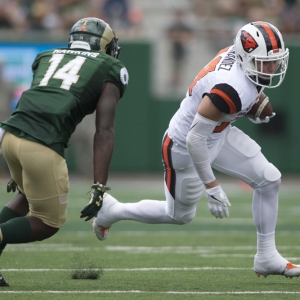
(211,66)
(208,68)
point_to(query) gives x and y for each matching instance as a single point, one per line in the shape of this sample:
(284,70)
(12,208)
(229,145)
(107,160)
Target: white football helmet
(256,44)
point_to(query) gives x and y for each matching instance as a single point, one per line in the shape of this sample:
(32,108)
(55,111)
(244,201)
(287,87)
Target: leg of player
(241,157)
(24,230)
(267,260)
(37,183)
(16,227)
(183,190)
(16,208)
(144,211)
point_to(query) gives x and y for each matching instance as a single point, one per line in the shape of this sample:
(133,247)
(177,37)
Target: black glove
(11,186)
(95,203)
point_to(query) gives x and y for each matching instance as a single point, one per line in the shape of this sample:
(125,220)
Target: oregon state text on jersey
(228,88)
(66,87)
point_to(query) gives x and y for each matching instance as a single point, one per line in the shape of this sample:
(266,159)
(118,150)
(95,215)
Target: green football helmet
(97,34)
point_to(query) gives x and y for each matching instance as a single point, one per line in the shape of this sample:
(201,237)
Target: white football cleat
(100,232)
(102,223)
(275,266)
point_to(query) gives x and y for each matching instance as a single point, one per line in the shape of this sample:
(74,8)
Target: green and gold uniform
(67,84)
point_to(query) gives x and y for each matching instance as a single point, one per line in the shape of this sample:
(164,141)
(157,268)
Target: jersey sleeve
(35,63)
(225,98)
(118,75)
(37,60)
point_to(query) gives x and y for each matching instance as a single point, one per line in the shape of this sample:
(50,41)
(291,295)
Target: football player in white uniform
(201,137)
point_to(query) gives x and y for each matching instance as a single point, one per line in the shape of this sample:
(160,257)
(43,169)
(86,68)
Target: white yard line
(203,250)
(152,292)
(129,269)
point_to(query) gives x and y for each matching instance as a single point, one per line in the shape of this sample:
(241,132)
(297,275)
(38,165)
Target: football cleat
(280,267)
(291,270)
(3,282)
(100,232)
(103,221)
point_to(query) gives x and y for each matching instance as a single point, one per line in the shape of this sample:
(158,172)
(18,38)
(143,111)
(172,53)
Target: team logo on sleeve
(124,76)
(248,42)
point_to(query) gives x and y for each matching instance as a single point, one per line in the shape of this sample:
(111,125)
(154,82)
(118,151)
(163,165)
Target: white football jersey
(228,88)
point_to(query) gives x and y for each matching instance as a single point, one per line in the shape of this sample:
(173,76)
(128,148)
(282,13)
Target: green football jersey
(66,87)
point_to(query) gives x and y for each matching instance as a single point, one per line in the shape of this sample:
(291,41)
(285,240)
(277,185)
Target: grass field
(206,259)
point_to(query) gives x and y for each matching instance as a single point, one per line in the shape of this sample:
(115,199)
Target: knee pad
(271,173)
(186,219)
(185,214)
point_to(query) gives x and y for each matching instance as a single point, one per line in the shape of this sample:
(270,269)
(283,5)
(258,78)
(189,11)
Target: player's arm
(104,140)
(205,121)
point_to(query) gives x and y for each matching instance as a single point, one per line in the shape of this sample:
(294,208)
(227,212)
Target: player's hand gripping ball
(261,111)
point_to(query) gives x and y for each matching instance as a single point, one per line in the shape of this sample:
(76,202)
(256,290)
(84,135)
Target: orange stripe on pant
(170,175)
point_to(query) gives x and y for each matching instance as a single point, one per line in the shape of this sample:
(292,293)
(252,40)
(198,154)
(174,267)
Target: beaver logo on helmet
(248,42)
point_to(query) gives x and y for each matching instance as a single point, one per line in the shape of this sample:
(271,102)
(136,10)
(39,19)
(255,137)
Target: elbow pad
(196,142)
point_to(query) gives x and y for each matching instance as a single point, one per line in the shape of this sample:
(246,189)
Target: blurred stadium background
(144,30)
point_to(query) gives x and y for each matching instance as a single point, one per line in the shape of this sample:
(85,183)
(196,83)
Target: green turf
(206,259)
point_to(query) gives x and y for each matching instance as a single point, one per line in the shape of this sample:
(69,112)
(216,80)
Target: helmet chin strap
(264,81)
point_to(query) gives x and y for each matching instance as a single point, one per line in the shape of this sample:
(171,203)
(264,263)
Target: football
(261,109)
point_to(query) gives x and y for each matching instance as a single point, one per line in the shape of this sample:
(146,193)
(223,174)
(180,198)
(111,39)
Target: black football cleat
(2,281)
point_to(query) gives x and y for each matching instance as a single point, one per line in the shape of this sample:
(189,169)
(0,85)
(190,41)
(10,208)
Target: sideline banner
(15,64)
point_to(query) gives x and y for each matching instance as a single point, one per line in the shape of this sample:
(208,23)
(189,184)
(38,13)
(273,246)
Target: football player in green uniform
(68,84)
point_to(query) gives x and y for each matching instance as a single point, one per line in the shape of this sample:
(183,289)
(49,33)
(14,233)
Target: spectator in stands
(4,20)
(116,12)
(179,34)
(290,17)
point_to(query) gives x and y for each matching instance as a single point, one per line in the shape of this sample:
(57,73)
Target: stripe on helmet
(106,38)
(270,35)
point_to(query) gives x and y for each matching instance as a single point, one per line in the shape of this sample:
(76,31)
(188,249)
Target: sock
(16,231)
(146,211)
(265,208)
(268,256)
(6,214)
(266,246)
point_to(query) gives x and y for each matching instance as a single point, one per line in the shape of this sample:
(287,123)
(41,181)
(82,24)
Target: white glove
(217,202)
(260,121)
